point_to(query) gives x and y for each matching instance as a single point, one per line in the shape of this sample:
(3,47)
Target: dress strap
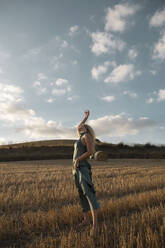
(82,134)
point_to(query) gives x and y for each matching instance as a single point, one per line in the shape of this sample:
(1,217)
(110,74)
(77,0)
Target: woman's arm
(84,119)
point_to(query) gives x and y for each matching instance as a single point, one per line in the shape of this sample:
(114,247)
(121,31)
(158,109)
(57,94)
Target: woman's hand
(86,113)
(76,163)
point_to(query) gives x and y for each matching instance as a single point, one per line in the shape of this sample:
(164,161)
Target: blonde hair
(92,133)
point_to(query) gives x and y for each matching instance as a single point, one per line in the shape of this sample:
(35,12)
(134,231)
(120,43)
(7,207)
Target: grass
(39,204)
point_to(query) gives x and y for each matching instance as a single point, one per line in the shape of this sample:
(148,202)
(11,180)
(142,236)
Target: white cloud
(12,107)
(10,93)
(73,30)
(62,88)
(114,125)
(108,98)
(32,53)
(138,73)
(56,63)
(32,126)
(120,125)
(75,62)
(2,141)
(133,53)
(39,88)
(57,42)
(71,98)
(58,92)
(36,84)
(122,73)
(153,72)
(69,88)
(41,76)
(105,43)
(35,127)
(39,128)
(117,18)
(158,96)
(159,48)
(14,112)
(101,69)
(45,53)
(158,19)
(64,44)
(50,100)
(10,88)
(130,93)
(161,95)
(60,61)
(150,100)
(61,81)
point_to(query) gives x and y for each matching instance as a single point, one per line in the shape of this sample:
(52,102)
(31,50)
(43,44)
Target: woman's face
(82,129)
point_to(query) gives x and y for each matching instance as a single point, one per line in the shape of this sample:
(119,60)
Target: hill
(48,143)
(63,149)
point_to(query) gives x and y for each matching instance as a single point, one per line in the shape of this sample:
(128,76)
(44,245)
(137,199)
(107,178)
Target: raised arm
(84,119)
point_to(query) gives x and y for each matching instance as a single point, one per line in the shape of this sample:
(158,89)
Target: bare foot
(94,231)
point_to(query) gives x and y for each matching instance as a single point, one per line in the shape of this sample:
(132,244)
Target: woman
(83,149)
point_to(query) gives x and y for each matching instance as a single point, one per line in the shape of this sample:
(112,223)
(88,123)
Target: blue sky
(59,58)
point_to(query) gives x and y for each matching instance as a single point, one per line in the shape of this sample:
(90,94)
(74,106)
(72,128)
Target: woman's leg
(87,217)
(88,199)
(86,209)
(93,212)
(83,200)
(90,194)
(95,220)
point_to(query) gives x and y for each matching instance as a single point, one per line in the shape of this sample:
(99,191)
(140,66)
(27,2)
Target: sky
(59,58)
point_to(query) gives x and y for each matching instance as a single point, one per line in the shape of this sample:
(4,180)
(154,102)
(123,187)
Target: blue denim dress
(83,179)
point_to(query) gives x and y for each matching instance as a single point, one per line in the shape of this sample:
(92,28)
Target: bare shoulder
(86,138)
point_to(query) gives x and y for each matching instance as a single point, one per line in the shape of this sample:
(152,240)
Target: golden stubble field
(39,204)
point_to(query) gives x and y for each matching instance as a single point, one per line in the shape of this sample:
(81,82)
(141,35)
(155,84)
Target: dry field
(39,205)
